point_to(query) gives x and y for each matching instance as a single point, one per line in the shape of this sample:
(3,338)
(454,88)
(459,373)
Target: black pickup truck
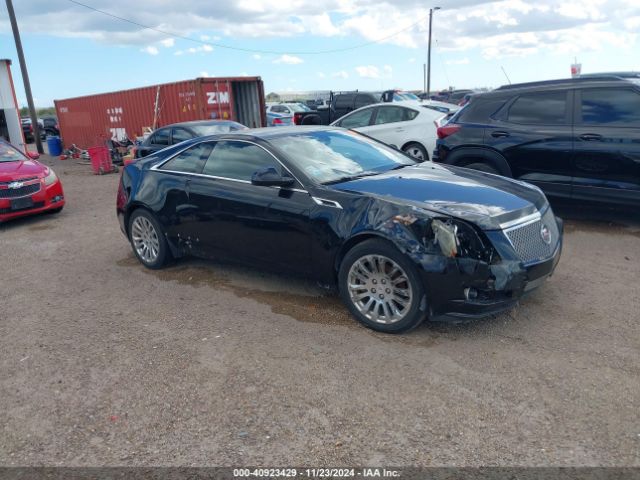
(341,103)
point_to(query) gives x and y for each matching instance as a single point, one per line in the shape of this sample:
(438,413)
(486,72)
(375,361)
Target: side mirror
(33,155)
(269,177)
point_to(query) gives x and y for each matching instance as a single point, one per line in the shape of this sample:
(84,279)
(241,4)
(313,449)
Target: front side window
(160,137)
(602,106)
(330,156)
(344,101)
(390,115)
(238,160)
(546,108)
(191,160)
(357,119)
(180,135)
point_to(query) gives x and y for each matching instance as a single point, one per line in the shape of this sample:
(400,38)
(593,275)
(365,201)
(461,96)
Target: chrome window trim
(159,169)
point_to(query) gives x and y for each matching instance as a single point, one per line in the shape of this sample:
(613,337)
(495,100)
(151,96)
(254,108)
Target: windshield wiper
(347,178)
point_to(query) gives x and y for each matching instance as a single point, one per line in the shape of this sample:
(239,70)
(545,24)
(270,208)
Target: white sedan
(409,126)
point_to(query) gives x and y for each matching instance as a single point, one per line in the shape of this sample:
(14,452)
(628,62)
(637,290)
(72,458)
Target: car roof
(199,123)
(266,133)
(607,80)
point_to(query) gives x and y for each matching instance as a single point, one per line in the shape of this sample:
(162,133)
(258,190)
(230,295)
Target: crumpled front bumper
(473,289)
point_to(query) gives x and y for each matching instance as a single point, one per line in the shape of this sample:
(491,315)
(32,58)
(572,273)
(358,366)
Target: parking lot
(203,363)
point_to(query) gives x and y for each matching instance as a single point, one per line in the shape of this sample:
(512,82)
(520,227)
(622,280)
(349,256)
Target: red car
(26,186)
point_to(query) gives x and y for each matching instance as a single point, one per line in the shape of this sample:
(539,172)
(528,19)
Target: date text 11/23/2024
(315,472)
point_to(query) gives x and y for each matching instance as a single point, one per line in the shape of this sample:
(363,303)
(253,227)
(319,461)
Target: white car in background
(408,125)
(287,108)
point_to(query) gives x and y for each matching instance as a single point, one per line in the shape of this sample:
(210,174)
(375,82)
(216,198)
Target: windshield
(10,154)
(203,130)
(339,155)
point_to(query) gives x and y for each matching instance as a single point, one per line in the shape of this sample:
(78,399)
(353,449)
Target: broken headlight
(459,239)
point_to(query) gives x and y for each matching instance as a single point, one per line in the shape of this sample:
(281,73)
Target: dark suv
(577,138)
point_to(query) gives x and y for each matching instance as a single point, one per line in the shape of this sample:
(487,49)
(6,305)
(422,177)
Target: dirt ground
(106,363)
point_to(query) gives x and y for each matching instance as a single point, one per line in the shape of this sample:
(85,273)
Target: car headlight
(51,178)
(459,239)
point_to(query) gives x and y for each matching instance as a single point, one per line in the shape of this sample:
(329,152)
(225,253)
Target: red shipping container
(90,120)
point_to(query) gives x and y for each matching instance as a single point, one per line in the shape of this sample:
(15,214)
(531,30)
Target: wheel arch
(466,155)
(175,251)
(357,239)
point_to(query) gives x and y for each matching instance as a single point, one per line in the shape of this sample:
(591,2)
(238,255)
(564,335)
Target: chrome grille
(23,191)
(527,239)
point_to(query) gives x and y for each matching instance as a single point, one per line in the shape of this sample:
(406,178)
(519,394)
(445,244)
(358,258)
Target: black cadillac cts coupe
(403,241)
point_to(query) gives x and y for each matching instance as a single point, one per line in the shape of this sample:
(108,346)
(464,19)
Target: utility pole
(424,72)
(25,77)
(431,10)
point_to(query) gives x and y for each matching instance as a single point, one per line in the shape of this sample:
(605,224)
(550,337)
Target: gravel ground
(106,363)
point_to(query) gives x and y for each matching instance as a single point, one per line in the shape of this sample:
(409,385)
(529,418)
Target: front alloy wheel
(381,287)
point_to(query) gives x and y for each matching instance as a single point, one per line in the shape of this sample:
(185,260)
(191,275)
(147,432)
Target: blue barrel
(54,145)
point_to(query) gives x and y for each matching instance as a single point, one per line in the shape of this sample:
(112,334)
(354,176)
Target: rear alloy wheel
(381,287)
(147,240)
(417,151)
(482,167)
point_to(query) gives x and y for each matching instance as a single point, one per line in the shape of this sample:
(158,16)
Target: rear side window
(237,160)
(610,107)
(160,137)
(480,110)
(546,108)
(191,160)
(363,101)
(357,119)
(391,115)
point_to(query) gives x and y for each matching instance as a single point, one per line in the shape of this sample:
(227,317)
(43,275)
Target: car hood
(484,199)
(20,169)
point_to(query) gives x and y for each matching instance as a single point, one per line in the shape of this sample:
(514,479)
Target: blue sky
(72,50)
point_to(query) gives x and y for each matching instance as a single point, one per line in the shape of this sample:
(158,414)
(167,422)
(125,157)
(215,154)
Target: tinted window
(391,115)
(277,109)
(161,137)
(180,135)
(480,110)
(547,108)
(357,119)
(609,106)
(364,100)
(237,160)
(343,101)
(191,160)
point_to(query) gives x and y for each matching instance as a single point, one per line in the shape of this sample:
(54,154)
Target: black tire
(163,253)
(483,167)
(416,309)
(416,148)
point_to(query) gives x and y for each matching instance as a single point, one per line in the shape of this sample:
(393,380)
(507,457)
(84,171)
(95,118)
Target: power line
(248,50)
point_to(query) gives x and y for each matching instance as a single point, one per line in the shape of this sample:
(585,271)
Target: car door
(178,213)
(390,125)
(534,133)
(157,141)
(250,223)
(357,120)
(607,145)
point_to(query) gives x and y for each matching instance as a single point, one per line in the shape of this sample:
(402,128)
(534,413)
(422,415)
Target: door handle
(499,134)
(187,187)
(590,137)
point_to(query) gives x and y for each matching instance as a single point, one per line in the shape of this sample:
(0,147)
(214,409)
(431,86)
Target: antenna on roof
(505,74)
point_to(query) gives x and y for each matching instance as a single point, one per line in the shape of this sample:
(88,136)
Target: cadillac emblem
(545,233)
